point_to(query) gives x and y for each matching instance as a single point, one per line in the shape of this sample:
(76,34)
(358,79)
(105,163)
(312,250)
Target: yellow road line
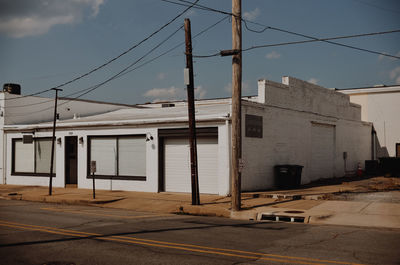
(41,230)
(186,247)
(242,251)
(106,215)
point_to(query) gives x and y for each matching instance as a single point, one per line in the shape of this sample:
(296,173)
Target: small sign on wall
(254,126)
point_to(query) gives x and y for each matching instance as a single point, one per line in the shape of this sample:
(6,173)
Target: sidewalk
(306,205)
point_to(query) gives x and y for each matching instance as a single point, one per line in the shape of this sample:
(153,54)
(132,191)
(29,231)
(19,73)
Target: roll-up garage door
(322,151)
(177,165)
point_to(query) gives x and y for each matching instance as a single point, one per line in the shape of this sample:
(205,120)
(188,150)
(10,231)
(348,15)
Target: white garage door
(177,165)
(322,151)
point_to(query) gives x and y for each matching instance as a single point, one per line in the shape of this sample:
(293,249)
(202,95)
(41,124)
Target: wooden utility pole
(53,140)
(236,103)
(192,119)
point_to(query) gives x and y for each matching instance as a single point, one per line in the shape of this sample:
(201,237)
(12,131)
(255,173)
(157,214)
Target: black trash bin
(371,167)
(390,165)
(288,176)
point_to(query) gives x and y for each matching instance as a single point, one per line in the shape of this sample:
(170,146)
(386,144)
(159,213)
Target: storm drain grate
(282,218)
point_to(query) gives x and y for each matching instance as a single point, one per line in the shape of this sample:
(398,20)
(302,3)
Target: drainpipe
(373,135)
(4,157)
(228,151)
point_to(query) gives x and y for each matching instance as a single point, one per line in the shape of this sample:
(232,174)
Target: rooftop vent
(12,88)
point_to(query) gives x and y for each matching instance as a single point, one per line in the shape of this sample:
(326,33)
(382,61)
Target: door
(177,177)
(322,151)
(71,160)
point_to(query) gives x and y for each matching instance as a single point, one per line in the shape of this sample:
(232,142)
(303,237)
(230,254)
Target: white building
(381,106)
(17,109)
(146,149)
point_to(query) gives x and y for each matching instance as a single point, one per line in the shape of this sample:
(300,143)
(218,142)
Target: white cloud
(252,15)
(395,75)
(273,55)
(29,18)
(161,76)
(21,27)
(173,93)
(164,93)
(313,81)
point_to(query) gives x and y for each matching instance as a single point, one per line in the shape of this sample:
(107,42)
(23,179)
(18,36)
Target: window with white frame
(32,158)
(118,157)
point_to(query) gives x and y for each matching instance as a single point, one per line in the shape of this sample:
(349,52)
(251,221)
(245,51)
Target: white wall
(58,181)
(382,109)
(152,159)
(289,111)
(303,96)
(17,109)
(2,145)
(288,114)
(355,139)
(151,183)
(224,158)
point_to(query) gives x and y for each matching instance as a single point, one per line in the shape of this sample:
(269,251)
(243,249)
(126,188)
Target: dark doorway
(71,160)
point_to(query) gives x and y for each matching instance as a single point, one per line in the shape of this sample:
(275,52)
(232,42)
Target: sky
(46,43)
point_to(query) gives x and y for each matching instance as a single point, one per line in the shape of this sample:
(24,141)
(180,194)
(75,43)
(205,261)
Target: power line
(113,59)
(128,50)
(314,40)
(334,38)
(202,7)
(132,64)
(91,88)
(126,71)
(30,95)
(327,40)
(176,46)
(197,6)
(43,102)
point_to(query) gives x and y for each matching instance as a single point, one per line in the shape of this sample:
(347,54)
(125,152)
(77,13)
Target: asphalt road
(36,233)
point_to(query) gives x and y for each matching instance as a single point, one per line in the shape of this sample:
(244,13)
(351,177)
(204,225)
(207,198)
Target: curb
(50,199)
(273,196)
(200,210)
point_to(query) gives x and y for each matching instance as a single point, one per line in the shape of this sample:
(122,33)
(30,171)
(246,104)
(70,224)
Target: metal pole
(53,140)
(236,103)
(192,119)
(93,170)
(94,189)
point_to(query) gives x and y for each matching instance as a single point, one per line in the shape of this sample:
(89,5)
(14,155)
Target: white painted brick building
(381,106)
(146,148)
(17,109)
